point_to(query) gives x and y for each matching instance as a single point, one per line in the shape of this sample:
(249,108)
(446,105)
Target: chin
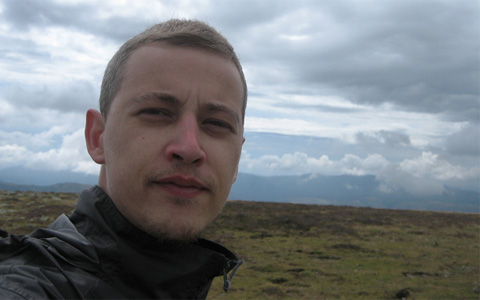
(187,236)
(172,231)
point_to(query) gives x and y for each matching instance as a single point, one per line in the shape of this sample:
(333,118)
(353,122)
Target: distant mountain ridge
(347,190)
(66,187)
(23,176)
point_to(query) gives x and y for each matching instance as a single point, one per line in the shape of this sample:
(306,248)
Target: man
(168,138)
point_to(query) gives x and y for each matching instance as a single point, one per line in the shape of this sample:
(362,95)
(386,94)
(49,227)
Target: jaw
(168,217)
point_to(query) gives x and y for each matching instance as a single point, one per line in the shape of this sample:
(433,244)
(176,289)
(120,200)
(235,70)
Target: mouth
(181,186)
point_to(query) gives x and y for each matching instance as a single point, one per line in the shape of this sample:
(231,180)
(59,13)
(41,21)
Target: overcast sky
(388,88)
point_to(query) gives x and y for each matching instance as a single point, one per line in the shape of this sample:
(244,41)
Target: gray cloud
(418,55)
(396,146)
(75,96)
(323,108)
(23,49)
(389,138)
(26,14)
(465,142)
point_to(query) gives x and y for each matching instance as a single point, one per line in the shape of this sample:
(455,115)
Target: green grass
(296,251)
(327,252)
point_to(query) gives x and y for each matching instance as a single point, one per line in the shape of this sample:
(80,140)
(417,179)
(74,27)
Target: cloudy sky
(388,88)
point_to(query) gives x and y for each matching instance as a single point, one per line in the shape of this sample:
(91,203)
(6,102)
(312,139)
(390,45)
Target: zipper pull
(227,283)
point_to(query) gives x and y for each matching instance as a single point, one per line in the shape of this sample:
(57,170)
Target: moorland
(296,251)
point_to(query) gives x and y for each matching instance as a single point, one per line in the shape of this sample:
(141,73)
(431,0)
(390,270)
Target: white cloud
(428,164)
(423,175)
(393,178)
(301,163)
(11,155)
(55,55)
(38,129)
(354,165)
(320,115)
(70,155)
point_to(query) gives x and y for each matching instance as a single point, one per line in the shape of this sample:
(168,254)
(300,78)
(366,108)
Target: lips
(181,186)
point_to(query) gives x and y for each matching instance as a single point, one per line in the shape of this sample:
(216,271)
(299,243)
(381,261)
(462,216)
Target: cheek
(124,150)
(225,161)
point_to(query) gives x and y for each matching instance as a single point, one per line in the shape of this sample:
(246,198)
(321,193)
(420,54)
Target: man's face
(172,139)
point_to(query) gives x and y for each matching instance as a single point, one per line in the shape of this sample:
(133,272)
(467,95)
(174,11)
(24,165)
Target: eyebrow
(166,98)
(216,107)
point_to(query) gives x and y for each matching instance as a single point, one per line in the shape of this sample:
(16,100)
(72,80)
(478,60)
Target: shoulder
(31,274)
(25,285)
(24,272)
(53,263)
(37,266)
(11,293)
(18,279)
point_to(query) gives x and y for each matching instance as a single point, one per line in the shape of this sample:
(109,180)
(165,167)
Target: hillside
(296,251)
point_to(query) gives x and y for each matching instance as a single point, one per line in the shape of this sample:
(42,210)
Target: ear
(94,127)
(236,171)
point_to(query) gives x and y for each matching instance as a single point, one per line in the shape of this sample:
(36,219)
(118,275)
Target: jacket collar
(136,261)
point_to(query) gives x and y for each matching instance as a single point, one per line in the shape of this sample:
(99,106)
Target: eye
(216,124)
(154,111)
(155,115)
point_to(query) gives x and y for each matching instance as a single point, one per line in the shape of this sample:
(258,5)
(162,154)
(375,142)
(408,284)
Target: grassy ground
(319,252)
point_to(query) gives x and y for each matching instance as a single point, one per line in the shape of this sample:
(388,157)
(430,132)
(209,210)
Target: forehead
(194,70)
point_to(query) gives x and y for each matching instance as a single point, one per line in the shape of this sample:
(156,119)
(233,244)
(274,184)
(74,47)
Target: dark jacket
(97,254)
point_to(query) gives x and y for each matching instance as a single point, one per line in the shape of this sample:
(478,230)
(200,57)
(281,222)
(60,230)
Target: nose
(185,144)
